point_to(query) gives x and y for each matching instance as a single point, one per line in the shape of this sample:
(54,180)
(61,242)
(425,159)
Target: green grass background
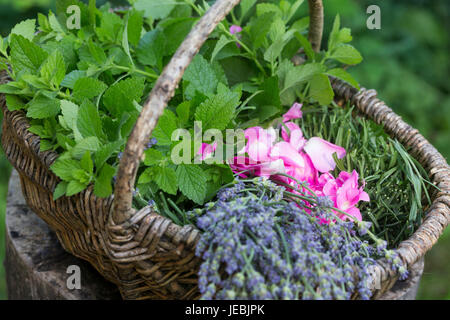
(407,61)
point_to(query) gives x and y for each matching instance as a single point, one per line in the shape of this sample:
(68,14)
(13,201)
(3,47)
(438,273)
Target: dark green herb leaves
(119,97)
(53,69)
(26,57)
(167,124)
(155,9)
(42,107)
(87,88)
(201,77)
(217,111)
(192,182)
(151,48)
(26,29)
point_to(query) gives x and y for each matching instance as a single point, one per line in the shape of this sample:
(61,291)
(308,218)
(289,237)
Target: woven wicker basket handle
(164,90)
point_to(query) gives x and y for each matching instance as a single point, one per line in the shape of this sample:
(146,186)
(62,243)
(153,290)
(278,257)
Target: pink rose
(345,193)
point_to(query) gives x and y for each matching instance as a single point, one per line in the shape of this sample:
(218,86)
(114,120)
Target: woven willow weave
(146,255)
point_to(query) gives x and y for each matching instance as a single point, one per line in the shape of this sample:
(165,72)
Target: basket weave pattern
(147,255)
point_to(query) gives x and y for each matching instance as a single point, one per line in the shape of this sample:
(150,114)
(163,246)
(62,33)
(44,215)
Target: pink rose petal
(206,150)
(354,212)
(284,150)
(240,164)
(293,113)
(259,143)
(321,153)
(307,172)
(295,137)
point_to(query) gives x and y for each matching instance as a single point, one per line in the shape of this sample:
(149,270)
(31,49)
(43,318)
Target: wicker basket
(146,255)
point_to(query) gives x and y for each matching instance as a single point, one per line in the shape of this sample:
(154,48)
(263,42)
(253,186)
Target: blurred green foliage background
(406,61)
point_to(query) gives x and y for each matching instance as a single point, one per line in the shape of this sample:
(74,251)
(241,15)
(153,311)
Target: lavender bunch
(256,245)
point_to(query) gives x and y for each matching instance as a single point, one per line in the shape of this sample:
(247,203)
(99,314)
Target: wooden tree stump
(36,264)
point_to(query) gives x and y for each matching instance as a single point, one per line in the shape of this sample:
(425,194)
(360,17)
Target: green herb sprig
(397,184)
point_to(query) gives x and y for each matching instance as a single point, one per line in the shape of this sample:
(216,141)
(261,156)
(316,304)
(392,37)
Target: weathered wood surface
(36,264)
